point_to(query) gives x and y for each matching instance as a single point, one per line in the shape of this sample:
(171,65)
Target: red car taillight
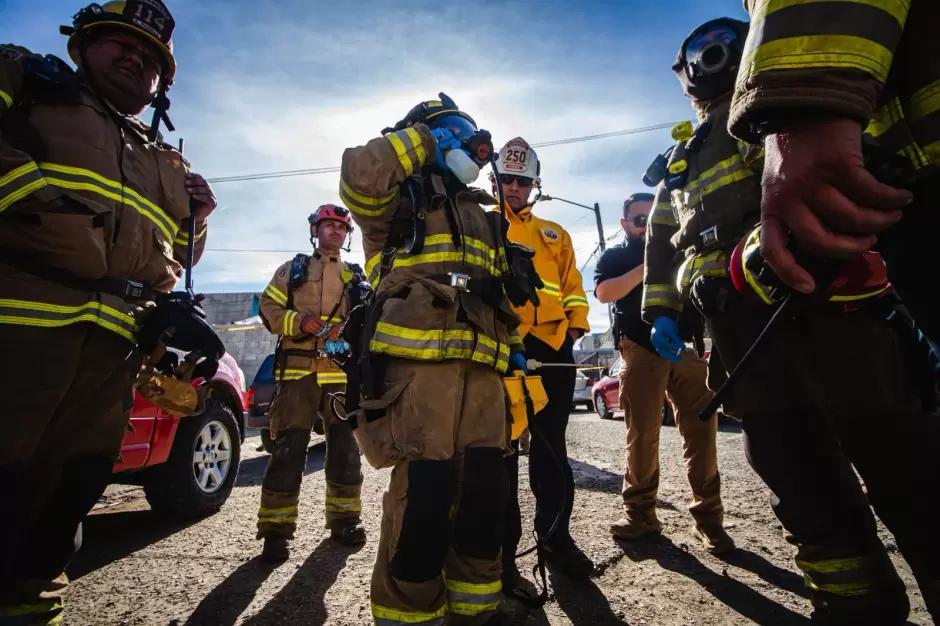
(589,383)
(251,397)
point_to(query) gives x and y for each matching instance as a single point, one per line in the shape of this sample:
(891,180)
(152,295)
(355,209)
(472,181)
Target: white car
(582,391)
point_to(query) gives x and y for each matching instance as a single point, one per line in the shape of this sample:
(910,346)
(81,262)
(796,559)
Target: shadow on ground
(251,471)
(108,537)
(593,478)
(733,593)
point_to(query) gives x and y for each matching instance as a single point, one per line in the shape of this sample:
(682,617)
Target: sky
(274,85)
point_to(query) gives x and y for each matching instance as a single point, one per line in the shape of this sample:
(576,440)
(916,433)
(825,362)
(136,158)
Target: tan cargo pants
(293,413)
(644,381)
(443,429)
(66,406)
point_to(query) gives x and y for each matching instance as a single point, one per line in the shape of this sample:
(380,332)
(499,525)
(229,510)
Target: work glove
(445,141)
(336,346)
(310,325)
(517,362)
(665,338)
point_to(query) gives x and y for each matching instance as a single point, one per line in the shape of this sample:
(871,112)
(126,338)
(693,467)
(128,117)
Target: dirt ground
(135,568)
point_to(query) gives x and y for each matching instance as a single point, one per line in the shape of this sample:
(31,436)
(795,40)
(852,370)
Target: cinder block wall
(225,308)
(248,344)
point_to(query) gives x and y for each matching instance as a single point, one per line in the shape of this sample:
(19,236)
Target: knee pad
(480,523)
(286,468)
(425,529)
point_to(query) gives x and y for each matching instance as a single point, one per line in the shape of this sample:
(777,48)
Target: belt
(126,289)
(467,284)
(724,235)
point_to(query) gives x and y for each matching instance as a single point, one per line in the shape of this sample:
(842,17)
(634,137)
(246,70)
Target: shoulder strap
(297,276)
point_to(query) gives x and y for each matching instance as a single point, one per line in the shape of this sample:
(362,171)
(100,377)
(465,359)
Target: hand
(445,141)
(203,196)
(311,325)
(816,188)
(336,346)
(517,362)
(665,338)
(334,332)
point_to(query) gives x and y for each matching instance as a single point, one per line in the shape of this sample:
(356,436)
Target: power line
(331,170)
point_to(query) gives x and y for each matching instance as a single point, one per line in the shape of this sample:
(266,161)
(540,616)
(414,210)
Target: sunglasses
(524,181)
(640,220)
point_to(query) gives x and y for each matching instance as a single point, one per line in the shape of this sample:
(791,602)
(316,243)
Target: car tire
(266,442)
(600,406)
(186,489)
(589,405)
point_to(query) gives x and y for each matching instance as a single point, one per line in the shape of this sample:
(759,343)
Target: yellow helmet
(146,18)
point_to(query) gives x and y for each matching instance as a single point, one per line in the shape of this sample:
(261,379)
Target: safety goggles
(709,47)
(523,181)
(461,127)
(640,221)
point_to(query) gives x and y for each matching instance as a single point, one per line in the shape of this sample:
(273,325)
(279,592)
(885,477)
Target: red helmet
(331,212)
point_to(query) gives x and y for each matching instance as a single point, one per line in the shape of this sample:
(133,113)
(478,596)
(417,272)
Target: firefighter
(93,228)
(816,407)
(438,338)
(306,304)
(549,332)
(880,74)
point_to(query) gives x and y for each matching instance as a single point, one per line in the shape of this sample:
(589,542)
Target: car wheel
(600,406)
(200,472)
(266,442)
(589,405)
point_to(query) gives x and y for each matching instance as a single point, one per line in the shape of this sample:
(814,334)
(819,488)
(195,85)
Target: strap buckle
(709,236)
(460,282)
(133,290)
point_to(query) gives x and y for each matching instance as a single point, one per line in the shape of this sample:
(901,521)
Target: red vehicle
(187,466)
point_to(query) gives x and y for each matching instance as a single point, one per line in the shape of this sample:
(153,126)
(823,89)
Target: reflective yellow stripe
(931,152)
(275,512)
(436,345)
(924,102)
(369,206)
(862,296)
(343,505)
(183,237)
(27,178)
(839,589)
(821,51)
(6,98)
(835,576)
(277,520)
(550,288)
(385,616)
(334,320)
(87,180)
(472,598)
(443,257)
(331,378)
(895,8)
(403,157)
(661,295)
(417,144)
(289,374)
(41,314)
(289,318)
(712,264)
(372,267)
(732,170)
(832,566)
(46,606)
(515,339)
(276,294)
(663,214)
(575,301)
(750,246)
(884,118)
(478,588)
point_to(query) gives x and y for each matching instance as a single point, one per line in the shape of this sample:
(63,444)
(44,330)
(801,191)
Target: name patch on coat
(550,234)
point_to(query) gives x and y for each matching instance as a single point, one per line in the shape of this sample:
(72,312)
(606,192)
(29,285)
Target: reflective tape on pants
(385,616)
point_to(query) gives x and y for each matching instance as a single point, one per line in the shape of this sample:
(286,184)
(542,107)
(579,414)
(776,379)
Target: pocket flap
(388,397)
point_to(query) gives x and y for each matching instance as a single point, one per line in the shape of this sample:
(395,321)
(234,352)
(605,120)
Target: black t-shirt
(615,262)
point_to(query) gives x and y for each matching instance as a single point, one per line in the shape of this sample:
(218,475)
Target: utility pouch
(522,390)
(374,428)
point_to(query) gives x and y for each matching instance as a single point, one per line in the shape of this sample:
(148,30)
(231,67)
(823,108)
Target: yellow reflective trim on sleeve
(924,102)
(895,8)
(369,206)
(182,238)
(575,301)
(884,118)
(27,172)
(661,295)
(515,339)
(407,617)
(819,51)
(417,144)
(403,157)
(7,99)
(276,294)
(663,214)
(289,322)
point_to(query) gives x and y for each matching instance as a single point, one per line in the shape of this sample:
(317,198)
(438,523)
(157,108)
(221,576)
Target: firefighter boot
(350,533)
(276,549)
(636,524)
(568,558)
(714,538)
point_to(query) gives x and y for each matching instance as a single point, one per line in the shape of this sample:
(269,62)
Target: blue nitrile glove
(665,338)
(336,346)
(517,362)
(326,329)
(445,141)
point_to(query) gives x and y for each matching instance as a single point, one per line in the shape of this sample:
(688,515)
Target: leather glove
(517,362)
(665,338)
(445,141)
(310,324)
(335,332)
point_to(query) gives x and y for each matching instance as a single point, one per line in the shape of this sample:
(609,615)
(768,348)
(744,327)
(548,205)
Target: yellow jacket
(563,304)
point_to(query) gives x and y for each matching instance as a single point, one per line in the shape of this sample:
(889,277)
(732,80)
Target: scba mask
(708,59)
(470,148)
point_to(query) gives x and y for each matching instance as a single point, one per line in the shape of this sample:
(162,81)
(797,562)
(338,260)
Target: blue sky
(288,84)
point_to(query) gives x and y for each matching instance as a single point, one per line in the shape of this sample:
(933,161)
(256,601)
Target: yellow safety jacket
(89,194)
(321,292)
(877,63)
(562,303)
(423,316)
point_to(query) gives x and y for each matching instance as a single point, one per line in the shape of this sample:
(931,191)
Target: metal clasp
(133,289)
(709,236)
(460,282)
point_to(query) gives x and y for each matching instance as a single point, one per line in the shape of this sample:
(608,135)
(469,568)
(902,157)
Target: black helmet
(708,59)
(429,111)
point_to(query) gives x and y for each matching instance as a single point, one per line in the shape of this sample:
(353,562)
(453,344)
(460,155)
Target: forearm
(613,289)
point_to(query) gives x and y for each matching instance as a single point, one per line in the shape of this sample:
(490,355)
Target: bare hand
(203,196)
(311,325)
(817,190)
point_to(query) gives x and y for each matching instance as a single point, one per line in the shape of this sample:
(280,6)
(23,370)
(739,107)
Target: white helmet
(518,157)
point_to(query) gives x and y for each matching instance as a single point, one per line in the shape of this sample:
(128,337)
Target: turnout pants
(833,391)
(646,378)
(292,416)
(442,428)
(550,473)
(66,406)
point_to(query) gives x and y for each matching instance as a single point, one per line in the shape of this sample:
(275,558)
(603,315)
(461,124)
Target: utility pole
(601,242)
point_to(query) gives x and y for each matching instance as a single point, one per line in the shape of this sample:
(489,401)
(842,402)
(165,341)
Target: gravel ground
(136,568)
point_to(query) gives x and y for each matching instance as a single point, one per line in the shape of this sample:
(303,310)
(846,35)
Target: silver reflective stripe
(482,599)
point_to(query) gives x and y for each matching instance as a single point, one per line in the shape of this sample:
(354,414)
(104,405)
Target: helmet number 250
(516,156)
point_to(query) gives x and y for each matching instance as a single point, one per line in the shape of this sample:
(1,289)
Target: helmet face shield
(709,51)
(460,126)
